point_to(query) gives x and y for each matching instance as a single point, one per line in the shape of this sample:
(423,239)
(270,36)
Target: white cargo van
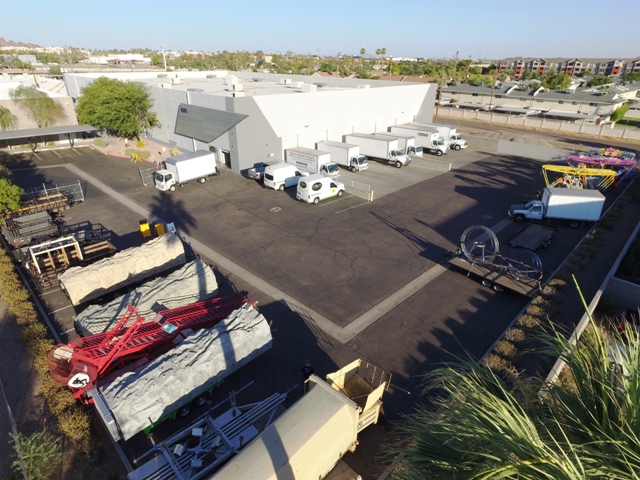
(317,187)
(281,176)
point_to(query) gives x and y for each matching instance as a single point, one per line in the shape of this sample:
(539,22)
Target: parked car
(317,187)
(257,172)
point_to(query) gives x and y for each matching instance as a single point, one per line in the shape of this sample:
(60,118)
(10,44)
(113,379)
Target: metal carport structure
(48,134)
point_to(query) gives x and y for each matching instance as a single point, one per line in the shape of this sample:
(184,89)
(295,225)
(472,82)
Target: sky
(405,28)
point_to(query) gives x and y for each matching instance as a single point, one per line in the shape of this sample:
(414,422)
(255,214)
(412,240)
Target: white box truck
(311,437)
(575,205)
(449,134)
(379,147)
(184,168)
(311,161)
(405,142)
(427,137)
(344,154)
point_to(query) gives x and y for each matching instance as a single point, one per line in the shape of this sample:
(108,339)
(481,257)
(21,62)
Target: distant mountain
(10,43)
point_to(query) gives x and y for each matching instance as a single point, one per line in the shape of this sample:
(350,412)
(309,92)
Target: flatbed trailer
(497,277)
(534,237)
(54,203)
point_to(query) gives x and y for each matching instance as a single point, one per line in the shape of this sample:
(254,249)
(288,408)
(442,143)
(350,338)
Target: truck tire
(438,153)
(172,188)
(316,200)
(456,147)
(202,180)
(574,223)
(352,168)
(486,283)
(184,410)
(201,400)
(519,218)
(398,164)
(340,192)
(281,187)
(497,288)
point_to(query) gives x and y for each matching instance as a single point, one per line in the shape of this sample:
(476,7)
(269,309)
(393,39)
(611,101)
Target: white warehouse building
(248,117)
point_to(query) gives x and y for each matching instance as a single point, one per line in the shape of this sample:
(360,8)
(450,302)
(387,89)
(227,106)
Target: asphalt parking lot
(342,261)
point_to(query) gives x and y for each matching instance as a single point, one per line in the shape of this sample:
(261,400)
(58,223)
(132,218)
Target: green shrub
(100,142)
(607,306)
(41,454)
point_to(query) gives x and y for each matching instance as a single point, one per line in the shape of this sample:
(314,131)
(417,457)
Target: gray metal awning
(568,115)
(45,132)
(205,124)
(515,110)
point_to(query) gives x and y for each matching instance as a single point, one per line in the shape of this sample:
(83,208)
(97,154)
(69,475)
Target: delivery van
(317,187)
(281,176)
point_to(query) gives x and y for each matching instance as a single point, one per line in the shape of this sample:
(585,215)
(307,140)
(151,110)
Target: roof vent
(238,94)
(363,85)
(297,84)
(163,75)
(321,85)
(212,76)
(257,79)
(195,90)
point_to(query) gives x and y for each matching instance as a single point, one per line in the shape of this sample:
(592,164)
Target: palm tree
(583,427)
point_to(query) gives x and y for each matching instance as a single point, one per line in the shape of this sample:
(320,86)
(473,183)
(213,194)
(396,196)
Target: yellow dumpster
(145,229)
(159,228)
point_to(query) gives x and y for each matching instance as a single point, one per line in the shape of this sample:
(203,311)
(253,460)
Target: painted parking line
(60,309)
(342,334)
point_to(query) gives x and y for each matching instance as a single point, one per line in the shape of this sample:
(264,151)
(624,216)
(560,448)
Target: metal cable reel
(524,264)
(479,244)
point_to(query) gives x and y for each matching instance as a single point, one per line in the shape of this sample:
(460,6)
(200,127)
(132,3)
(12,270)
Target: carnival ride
(579,177)
(619,161)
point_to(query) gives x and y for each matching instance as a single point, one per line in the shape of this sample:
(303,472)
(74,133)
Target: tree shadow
(173,211)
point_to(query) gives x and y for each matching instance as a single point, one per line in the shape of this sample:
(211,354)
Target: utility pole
(164,58)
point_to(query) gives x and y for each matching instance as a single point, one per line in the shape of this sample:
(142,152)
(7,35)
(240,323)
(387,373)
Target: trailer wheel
(486,283)
(574,223)
(352,168)
(184,411)
(172,188)
(398,164)
(438,153)
(201,400)
(546,243)
(456,147)
(497,288)
(202,180)
(519,218)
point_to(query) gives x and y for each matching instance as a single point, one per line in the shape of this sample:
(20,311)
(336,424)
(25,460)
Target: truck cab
(534,210)
(398,158)
(415,150)
(438,147)
(164,180)
(456,142)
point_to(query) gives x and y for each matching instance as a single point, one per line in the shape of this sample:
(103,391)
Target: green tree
(123,108)
(9,193)
(38,105)
(362,52)
(631,77)
(598,80)
(7,119)
(41,453)
(55,70)
(556,81)
(582,427)
(619,113)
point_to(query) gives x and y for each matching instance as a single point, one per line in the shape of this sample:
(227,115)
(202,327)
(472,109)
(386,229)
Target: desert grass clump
(530,322)
(506,349)
(516,336)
